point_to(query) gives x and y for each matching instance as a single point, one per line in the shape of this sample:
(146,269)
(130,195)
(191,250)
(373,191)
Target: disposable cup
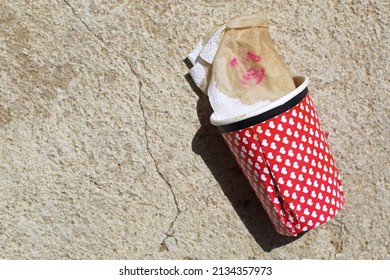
(284,154)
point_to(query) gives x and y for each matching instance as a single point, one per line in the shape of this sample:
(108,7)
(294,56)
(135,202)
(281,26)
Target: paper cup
(285,156)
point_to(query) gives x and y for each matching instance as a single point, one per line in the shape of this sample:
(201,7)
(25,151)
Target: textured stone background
(106,151)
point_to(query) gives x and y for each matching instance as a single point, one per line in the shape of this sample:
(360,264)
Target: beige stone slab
(106,151)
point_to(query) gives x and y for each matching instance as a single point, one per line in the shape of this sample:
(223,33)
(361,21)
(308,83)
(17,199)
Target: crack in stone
(343,229)
(82,21)
(169,232)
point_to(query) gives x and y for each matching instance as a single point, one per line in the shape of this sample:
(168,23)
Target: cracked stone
(143,114)
(108,152)
(170,244)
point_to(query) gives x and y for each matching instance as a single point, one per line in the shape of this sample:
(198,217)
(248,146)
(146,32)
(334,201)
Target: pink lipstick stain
(254,57)
(254,73)
(233,62)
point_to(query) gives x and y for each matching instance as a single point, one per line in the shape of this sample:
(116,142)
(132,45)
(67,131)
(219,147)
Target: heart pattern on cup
(299,186)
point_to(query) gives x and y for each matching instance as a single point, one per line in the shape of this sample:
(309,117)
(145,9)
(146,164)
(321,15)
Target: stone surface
(106,151)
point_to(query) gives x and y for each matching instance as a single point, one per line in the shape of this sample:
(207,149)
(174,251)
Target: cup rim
(301,81)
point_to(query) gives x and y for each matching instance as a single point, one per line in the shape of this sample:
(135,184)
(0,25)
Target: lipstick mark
(233,62)
(254,57)
(253,74)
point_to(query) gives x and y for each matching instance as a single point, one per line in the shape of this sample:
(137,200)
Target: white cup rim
(300,81)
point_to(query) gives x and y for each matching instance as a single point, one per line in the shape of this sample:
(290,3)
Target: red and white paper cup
(284,154)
